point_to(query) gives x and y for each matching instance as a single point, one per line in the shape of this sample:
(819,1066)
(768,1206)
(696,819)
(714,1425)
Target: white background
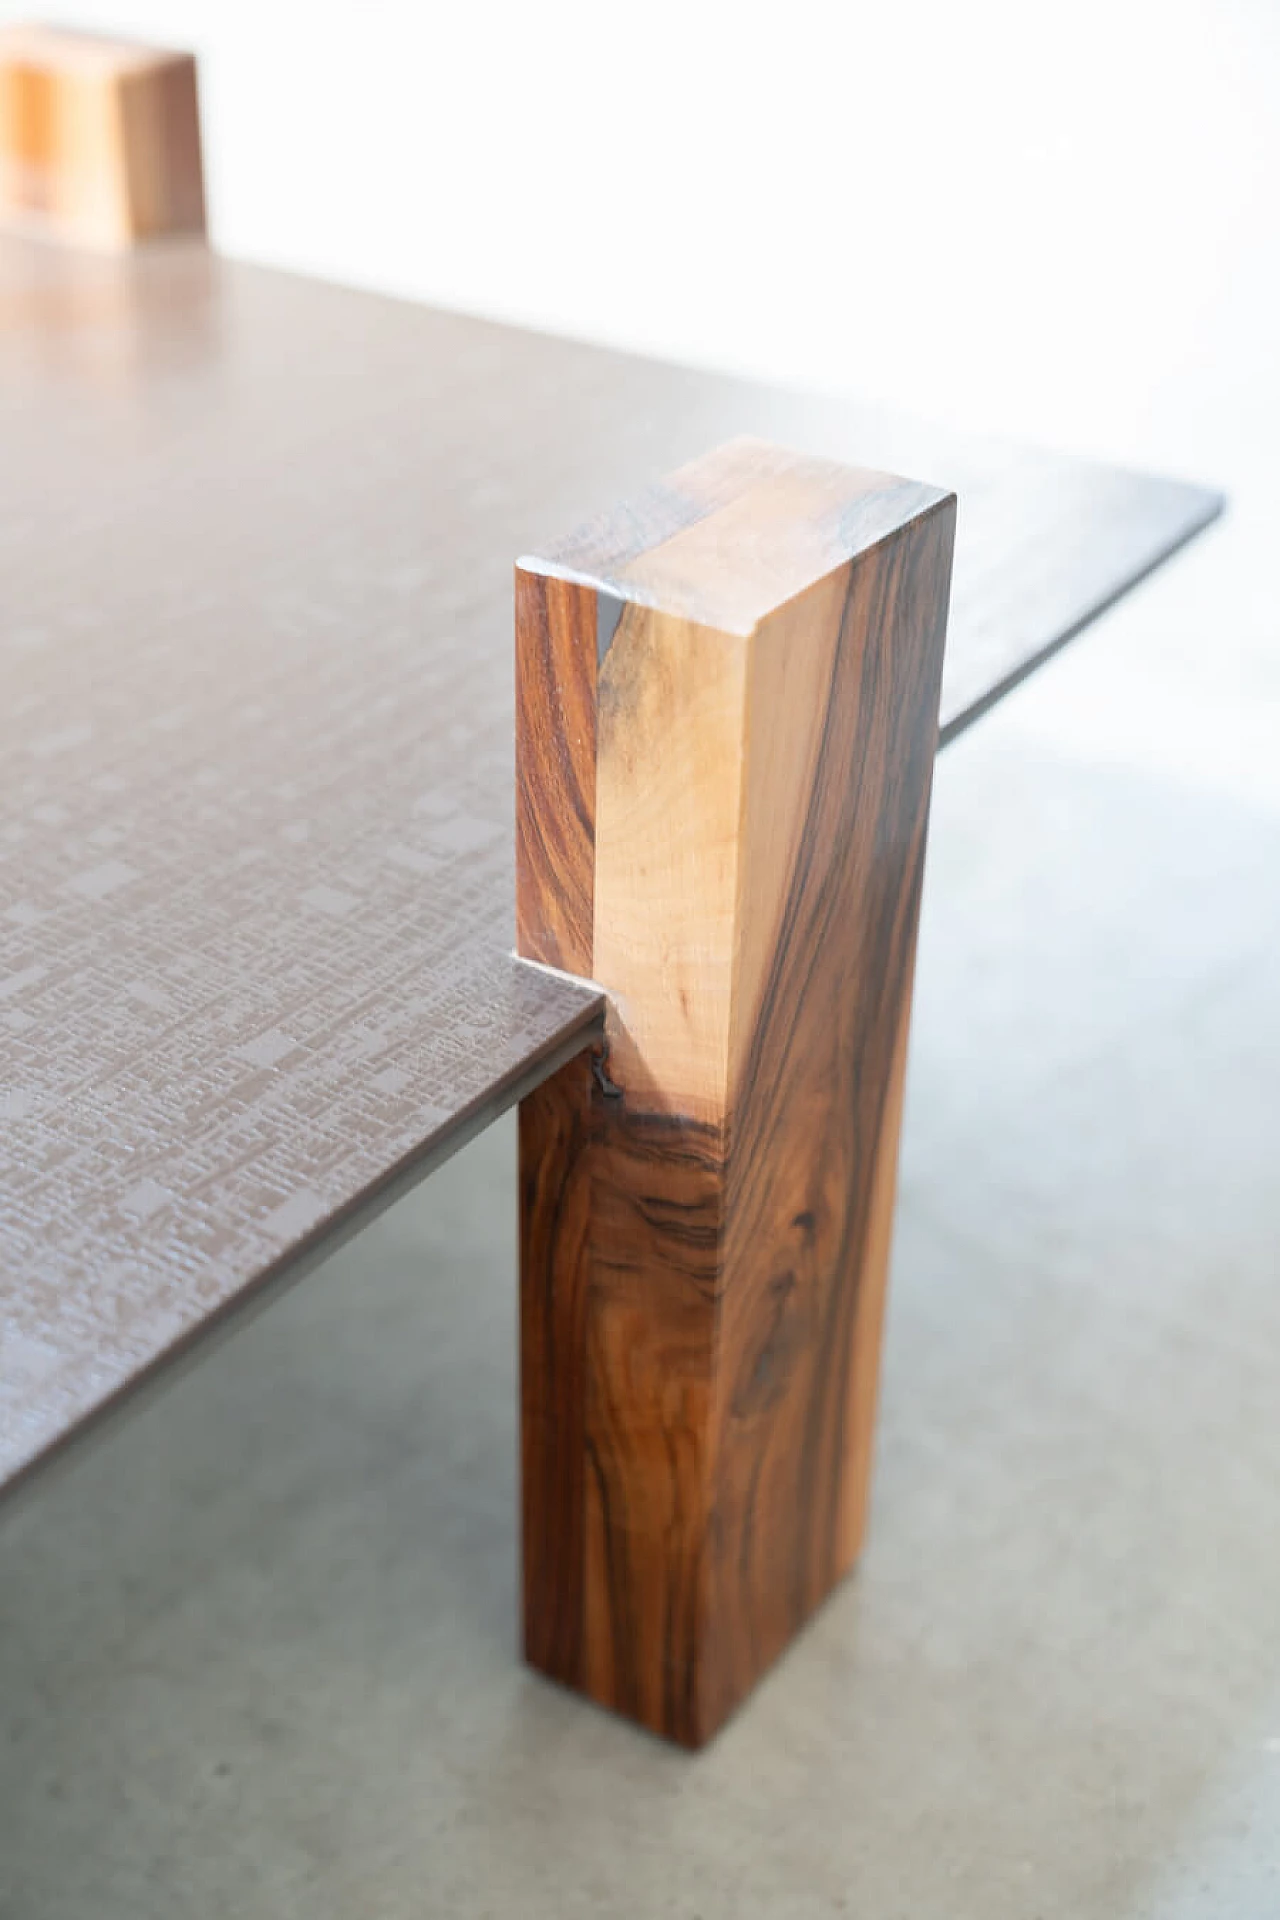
(1040,221)
(1057,224)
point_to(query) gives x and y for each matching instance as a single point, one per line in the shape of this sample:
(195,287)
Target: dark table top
(256,539)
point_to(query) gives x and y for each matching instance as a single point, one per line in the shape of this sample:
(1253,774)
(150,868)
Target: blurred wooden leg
(99,139)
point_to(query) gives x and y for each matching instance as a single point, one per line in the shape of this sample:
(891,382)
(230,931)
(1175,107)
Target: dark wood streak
(555,1204)
(621,1236)
(891,737)
(808,1126)
(656,1243)
(556,761)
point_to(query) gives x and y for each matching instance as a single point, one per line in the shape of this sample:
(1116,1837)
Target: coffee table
(256,776)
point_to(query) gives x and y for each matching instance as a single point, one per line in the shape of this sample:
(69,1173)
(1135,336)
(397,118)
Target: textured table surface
(256,538)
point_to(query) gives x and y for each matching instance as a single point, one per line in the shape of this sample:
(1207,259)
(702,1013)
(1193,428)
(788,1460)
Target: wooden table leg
(727,702)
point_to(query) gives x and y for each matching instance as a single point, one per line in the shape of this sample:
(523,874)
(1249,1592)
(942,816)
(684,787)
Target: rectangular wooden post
(99,138)
(727,709)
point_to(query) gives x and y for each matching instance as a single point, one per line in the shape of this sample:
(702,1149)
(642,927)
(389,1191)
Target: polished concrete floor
(258,1649)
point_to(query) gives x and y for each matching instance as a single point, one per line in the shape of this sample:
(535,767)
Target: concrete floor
(257,1650)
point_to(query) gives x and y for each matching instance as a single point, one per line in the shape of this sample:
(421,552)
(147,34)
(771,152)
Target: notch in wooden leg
(727,708)
(99,139)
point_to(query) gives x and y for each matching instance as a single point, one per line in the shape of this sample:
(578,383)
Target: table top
(256,538)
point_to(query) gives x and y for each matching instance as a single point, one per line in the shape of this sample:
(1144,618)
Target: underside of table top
(256,537)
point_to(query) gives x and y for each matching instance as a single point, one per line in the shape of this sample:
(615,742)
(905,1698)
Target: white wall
(1060,224)
(1043,222)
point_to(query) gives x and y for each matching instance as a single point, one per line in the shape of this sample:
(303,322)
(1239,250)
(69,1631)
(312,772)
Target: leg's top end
(734,535)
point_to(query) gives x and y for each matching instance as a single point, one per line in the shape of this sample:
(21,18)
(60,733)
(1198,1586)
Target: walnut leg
(727,705)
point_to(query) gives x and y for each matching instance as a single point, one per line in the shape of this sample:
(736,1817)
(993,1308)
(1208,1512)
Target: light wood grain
(99,139)
(672,706)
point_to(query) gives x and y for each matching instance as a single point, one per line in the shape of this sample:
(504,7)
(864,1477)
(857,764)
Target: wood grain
(99,139)
(706,1218)
(668,792)
(556,742)
(556,1123)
